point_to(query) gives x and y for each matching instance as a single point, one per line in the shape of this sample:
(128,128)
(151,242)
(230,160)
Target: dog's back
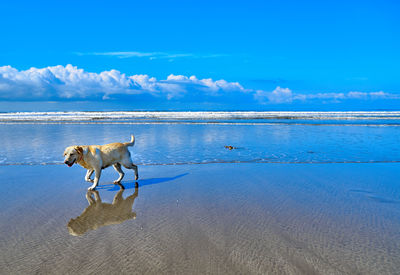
(112,152)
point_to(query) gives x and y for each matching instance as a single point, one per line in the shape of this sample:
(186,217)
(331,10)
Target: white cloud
(61,82)
(279,95)
(206,84)
(69,82)
(337,97)
(152,55)
(383,95)
(357,95)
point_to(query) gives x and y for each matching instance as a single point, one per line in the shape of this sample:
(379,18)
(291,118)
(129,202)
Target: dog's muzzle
(69,163)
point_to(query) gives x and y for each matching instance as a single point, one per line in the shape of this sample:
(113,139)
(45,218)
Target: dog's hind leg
(96,179)
(129,165)
(118,197)
(121,173)
(88,175)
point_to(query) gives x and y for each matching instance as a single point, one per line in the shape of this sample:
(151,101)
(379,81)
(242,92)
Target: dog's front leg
(96,178)
(97,196)
(88,175)
(90,198)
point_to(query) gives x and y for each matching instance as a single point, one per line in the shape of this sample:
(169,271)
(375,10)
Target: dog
(99,213)
(97,157)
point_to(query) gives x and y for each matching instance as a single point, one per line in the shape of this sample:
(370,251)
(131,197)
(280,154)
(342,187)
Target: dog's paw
(117,182)
(89,180)
(91,188)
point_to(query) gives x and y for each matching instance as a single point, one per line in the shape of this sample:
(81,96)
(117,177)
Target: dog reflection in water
(99,214)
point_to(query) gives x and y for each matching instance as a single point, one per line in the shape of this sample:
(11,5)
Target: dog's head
(72,154)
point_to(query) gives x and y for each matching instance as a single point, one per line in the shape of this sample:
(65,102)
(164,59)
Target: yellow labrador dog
(97,157)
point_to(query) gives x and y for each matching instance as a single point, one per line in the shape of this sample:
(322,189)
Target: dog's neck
(81,161)
(80,157)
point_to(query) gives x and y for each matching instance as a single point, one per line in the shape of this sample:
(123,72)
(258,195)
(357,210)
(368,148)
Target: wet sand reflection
(99,214)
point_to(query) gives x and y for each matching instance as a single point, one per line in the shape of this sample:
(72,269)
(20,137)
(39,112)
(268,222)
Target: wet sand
(197,219)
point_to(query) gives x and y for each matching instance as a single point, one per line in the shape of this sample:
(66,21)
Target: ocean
(173,138)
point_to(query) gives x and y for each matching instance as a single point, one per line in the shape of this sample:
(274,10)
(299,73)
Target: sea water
(172,138)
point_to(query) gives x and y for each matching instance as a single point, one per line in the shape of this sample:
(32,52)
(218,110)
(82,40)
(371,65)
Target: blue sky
(319,50)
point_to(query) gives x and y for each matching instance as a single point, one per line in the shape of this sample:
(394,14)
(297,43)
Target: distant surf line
(199,115)
(53,122)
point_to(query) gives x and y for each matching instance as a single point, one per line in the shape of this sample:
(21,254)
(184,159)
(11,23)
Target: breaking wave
(140,116)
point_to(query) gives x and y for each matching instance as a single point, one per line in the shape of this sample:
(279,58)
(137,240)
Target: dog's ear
(79,149)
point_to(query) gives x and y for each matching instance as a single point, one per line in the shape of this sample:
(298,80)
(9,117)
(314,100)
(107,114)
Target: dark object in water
(230,147)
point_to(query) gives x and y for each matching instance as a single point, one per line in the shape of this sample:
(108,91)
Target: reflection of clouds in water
(178,143)
(173,136)
(213,134)
(280,133)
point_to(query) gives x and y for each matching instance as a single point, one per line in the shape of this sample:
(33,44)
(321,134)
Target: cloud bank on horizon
(71,83)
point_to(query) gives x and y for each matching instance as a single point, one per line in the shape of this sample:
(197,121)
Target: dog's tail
(132,141)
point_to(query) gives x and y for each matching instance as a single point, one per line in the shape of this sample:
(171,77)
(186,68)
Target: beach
(212,218)
(289,198)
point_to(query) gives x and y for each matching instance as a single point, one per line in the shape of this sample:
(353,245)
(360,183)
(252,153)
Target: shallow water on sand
(214,218)
(193,143)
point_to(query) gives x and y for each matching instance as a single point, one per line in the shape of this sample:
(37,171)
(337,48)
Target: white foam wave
(220,115)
